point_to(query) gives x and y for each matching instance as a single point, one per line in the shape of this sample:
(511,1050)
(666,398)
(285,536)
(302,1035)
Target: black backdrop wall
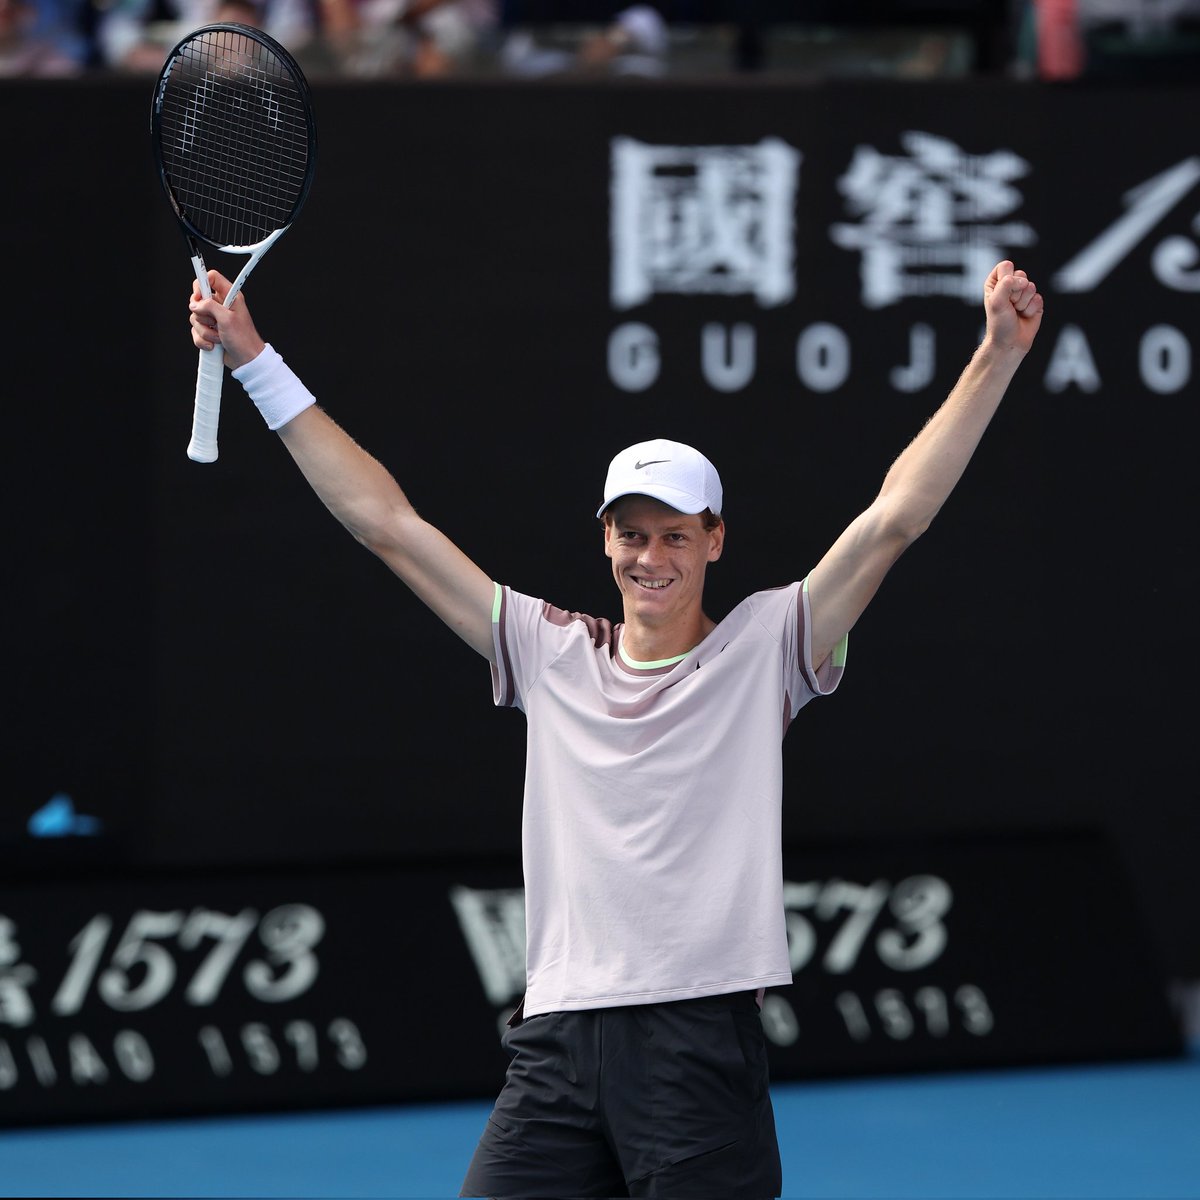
(494,287)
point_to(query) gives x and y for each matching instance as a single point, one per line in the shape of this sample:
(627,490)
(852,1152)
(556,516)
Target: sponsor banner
(164,994)
(210,672)
(168,994)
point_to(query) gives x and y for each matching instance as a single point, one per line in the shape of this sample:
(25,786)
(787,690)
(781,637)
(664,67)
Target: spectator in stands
(1074,39)
(31,43)
(635,42)
(415,39)
(135,35)
(1058,38)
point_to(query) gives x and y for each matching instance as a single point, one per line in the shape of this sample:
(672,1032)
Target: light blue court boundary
(1104,1132)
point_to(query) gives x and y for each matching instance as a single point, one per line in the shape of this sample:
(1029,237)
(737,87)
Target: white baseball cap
(676,474)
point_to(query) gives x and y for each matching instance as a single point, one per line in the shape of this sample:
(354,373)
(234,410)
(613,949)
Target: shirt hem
(533,1008)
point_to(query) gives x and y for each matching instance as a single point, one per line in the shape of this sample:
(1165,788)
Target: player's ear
(716,542)
(608,534)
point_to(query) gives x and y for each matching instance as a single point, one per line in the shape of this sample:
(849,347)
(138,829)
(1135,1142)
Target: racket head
(234,136)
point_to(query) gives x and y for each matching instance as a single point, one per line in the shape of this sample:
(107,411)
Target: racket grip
(206,414)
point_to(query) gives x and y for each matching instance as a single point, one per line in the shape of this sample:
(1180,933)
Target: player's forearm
(924,475)
(363,495)
(356,488)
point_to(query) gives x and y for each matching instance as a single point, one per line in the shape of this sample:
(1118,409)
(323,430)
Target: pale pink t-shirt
(653,795)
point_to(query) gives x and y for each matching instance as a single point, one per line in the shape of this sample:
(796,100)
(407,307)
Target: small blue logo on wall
(58,818)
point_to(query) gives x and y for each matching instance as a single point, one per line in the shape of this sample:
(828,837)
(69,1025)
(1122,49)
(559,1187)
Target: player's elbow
(899,523)
(379,526)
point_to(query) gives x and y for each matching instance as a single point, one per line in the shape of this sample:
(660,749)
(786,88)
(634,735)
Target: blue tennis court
(1090,1132)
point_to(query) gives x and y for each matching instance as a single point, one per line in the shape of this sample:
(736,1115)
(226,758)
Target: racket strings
(234,138)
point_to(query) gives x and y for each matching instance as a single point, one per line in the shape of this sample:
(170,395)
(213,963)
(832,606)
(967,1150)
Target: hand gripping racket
(235,143)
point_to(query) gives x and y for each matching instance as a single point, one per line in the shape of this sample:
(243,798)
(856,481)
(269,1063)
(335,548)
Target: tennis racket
(235,143)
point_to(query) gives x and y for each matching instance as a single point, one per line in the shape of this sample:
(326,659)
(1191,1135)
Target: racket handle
(207,411)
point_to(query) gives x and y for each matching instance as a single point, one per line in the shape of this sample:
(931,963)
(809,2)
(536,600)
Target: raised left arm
(918,483)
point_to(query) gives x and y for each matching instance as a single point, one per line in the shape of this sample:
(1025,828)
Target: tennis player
(653,789)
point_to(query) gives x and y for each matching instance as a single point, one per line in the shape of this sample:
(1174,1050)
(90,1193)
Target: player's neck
(647,641)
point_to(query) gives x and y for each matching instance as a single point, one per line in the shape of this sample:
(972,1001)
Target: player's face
(659,557)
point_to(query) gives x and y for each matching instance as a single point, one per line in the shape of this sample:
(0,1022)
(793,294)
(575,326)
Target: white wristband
(274,387)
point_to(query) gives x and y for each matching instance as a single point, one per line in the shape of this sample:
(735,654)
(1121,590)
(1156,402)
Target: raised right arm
(359,491)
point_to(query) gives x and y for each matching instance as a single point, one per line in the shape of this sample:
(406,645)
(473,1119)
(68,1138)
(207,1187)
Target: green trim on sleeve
(839,651)
(838,657)
(496,603)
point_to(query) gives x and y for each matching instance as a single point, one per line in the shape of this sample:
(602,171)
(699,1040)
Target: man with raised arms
(653,790)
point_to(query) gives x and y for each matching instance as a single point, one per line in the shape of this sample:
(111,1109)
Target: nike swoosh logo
(637,466)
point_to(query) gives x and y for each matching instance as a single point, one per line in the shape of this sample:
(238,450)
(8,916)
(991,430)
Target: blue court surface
(1119,1130)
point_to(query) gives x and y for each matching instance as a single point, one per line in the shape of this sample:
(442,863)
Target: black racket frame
(191,232)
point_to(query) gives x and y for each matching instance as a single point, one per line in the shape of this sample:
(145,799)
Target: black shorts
(647,1100)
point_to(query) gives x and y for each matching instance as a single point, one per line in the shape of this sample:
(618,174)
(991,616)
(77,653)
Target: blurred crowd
(1052,40)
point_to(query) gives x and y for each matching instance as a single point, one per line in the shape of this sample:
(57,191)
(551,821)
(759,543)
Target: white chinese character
(16,1004)
(932,221)
(703,219)
(493,922)
(1173,261)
